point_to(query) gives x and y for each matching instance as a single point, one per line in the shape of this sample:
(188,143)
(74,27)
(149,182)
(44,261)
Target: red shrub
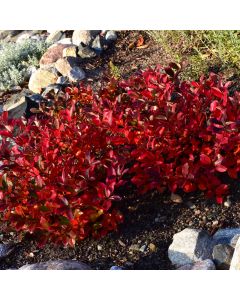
(59,178)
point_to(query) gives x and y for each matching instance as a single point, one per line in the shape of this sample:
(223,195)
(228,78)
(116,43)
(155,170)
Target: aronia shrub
(60,169)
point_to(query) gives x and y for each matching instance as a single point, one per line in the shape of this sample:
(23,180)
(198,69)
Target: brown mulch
(150,220)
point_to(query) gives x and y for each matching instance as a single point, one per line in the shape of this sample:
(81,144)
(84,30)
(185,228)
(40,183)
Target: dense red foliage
(60,177)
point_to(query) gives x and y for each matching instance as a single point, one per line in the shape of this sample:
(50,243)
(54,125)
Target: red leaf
(221,189)
(195,84)
(63,176)
(185,169)
(216,92)
(4,116)
(140,41)
(5,133)
(213,105)
(205,160)
(233,173)
(189,187)
(108,116)
(221,168)
(219,200)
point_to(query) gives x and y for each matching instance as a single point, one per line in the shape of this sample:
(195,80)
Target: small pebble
(176,198)
(121,243)
(214,223)
(143,248)
(227,203)
(134,247)
(129,264)
(99,248)
(190,205)
(152,247)
(197,212)
(116,268)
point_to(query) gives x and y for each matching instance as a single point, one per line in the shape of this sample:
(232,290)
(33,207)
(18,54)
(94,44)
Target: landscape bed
(151,219)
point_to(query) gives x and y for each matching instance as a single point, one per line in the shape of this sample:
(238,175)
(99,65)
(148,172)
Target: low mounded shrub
(16,59)
(59,178)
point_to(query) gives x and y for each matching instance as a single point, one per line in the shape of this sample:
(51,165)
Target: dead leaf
(140,41)
(131,45)
(143,46)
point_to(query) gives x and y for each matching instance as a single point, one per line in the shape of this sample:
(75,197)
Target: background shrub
(204,50)
(15,60)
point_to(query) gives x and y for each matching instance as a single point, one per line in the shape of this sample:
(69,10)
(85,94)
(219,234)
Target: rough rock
(189,246)
(65,41)
(57,265)
(41,79)
(65,65)
(52,87)
(222,256)
(55,36)
(116,268)
(176,198)
(23,37)
(35,98)
(33,102)
(52,54)
(5,250)
(84,36)
(70,51)
(97,45)
(234,240)
(16,105)
(76,74)
(15,100)
(224,236)
(9,35)
(111,36)
(30,71)
(62,80)
(235,263)
(86,52)
(206,264)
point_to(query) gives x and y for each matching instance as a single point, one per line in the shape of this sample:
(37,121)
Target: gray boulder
(97,44)
(111,36)
(206,264)
(234,240)
(84,36)
(6,250)
(41,79)
(224,236)
(55,36)
(235,263)
(86,52)
(189,246)
(57,265)
(76,74)
(222,256)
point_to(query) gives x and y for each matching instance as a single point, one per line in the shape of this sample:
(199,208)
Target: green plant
(16,59)
(202,49)
(114,70)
